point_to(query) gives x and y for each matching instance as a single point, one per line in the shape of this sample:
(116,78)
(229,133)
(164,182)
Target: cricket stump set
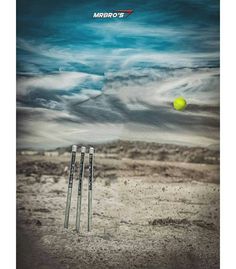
(80,187)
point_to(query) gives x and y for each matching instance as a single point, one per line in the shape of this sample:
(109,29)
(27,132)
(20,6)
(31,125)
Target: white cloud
(155,87)
(91,92)
(112,58)
(45,128)
(58,81)
(135,104)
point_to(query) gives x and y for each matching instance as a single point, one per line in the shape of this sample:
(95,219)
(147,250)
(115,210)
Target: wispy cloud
(80,79)
(59,81)
(115,58)
(141,99)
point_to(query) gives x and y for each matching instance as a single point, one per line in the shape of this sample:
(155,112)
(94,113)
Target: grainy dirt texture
(154,206)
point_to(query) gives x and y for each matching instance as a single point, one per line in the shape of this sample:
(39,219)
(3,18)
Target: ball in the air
(179,103)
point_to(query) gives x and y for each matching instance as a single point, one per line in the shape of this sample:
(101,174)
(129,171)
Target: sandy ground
(146,214)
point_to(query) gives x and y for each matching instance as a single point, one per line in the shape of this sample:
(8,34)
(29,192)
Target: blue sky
(81,79)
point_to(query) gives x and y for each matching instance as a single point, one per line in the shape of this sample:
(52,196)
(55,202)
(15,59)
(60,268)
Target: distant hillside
(155,151)
(144,151)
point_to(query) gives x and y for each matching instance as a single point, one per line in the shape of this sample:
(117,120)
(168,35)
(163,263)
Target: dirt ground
(146,214)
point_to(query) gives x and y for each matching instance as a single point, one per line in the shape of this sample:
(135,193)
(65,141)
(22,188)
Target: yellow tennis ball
(179,103)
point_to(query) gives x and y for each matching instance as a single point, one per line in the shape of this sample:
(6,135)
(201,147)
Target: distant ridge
(149,151)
